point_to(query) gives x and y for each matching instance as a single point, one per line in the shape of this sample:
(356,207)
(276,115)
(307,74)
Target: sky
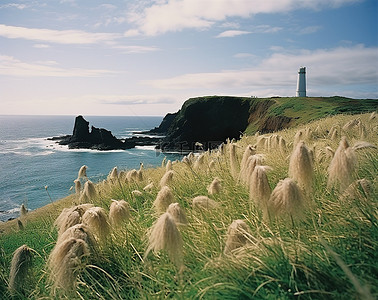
(146,57)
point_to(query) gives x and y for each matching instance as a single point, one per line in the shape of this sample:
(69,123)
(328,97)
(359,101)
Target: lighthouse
(301,83)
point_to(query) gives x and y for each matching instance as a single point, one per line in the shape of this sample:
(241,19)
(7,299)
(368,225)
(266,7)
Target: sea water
(35,171)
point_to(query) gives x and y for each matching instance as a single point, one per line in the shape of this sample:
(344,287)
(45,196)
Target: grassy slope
(304,110)
(284,261)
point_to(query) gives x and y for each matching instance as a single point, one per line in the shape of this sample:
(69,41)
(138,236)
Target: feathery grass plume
(132,175)
(81,232)
(298,137)
(166,179)
(136,193)
(286,199)
(301,167)
(215,187)
(249,150)
(168,166)
(113,175)
(82,172)
(342,168)
(329,152)
(363,145)
(237,236)
(20,269)
(335,135)
(67,218)
(191,156)
(199,162)
(77,186)
(260,144)
(252,162)
(149,187)
(97,219)
(211,165)
(233,160)
(372,116)
(23,211)
(70,217)
(89,192)
(164,235)
(163,199)
(140,173)
(65,263)
(362,130)
(282,144)
(274,141)
(203,202)
(119,212)
(259,188)
(350,124)
(178,214)
(163,162)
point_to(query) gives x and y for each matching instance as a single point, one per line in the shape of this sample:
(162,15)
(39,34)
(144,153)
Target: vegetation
(230,244)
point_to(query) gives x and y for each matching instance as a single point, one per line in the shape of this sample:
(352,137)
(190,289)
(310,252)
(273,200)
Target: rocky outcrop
(100,138)
(206,120)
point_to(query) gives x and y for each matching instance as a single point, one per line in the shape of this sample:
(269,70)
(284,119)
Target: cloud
(11,66)
(124,100)
(176,15)
(56,36)
(325,67)
(13,5)
(309,30)
(41,46)
(232,33)
(137,49)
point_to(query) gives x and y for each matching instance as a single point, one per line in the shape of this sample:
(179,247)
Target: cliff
(211,120)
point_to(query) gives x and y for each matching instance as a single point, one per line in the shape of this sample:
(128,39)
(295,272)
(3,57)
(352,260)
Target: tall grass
(330,253)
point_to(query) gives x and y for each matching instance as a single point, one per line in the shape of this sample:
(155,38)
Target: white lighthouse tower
(301,84)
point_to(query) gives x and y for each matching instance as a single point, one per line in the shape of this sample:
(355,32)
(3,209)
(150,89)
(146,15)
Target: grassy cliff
(329,253)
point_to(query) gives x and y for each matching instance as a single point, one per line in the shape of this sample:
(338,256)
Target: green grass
(331,254)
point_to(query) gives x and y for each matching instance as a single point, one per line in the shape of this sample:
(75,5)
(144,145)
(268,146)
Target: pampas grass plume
(97,219)
(342,168)
(148,187)
(204,202)
(166,179)
(249,150)
(168,166)
(132,175)
(286,199)
(65,261)
(259,188)
(236,236)
(89,192)
(215,187)
(233,160)
(301,166)
(119,212)
(79,231)
(82,172)
(19,270)
(178,214)
(164,235)
(77,186)
(163,199)
(137,193)
(113,175)
(70,217)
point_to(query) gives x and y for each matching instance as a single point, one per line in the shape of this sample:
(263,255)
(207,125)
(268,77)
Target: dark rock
(99,138)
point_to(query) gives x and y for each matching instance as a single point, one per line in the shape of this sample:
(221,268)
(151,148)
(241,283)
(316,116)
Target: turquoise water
(29,162)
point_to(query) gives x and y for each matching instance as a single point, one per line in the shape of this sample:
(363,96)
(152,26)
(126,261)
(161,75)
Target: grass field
(329,252)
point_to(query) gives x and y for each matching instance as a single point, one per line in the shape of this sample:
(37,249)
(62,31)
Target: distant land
(206,122)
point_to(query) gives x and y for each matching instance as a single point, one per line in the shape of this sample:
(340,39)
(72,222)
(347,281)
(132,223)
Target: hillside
(211,120)
(236,244)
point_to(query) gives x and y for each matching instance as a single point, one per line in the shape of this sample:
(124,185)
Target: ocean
(34,169)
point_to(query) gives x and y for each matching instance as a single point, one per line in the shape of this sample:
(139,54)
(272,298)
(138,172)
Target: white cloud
(309,29)
(243,55)
(41,46)
(137,49)
(13,5)
(176,15)
(325,67)
(232,33)
(11,66)
(56,36)
(112,99)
